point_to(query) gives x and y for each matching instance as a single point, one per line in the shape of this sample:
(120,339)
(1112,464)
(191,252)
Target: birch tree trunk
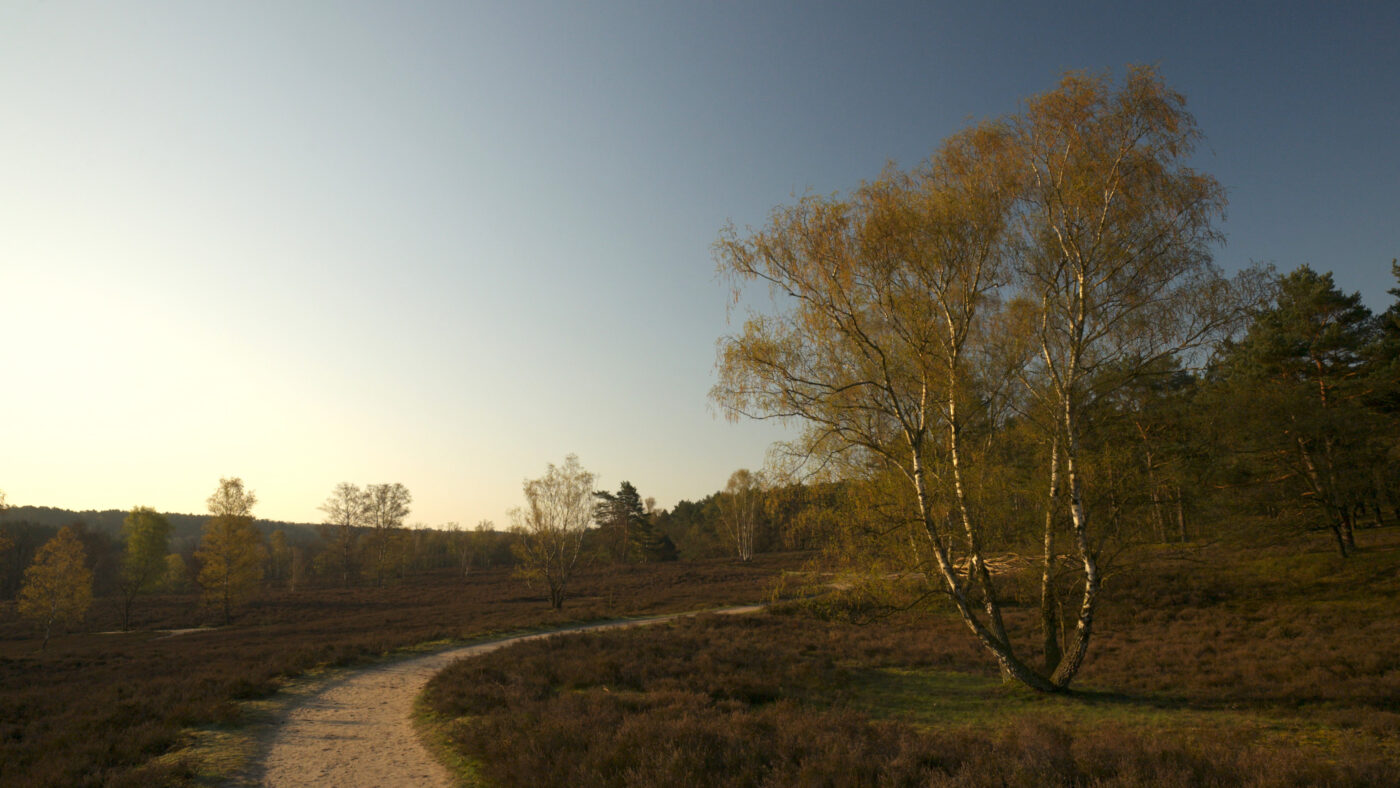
(1078,644)
(1049,605)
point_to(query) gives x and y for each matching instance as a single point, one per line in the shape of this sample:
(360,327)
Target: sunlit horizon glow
(445,246)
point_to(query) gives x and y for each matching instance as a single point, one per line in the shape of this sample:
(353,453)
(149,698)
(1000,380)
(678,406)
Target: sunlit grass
(931,699)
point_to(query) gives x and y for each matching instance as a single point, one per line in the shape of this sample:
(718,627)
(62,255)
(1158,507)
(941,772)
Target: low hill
(109,521)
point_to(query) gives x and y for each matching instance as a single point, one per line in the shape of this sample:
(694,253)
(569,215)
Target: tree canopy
(550,527)
(1033,265)
(231,550)
(146,534)
(58,584)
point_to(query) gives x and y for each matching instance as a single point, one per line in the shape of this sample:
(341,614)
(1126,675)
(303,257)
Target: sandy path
(357,731)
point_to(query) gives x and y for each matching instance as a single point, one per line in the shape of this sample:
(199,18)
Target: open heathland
(119,708)
(1217,666)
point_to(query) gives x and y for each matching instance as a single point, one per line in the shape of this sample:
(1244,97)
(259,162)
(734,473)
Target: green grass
(435,730)
(930,699)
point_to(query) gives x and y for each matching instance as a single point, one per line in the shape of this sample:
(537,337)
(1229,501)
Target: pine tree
(1298,384)
(627,532)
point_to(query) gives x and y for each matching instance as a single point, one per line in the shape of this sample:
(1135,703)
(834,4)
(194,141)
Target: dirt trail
(357,731)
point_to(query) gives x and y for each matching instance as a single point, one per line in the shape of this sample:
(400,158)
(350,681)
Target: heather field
(1214,666)
(103,707)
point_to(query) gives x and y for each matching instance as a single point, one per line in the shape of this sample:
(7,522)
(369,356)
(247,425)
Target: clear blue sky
(444,244)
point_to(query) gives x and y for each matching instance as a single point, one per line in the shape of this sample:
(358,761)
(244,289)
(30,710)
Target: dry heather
(1214,667)
(100,709)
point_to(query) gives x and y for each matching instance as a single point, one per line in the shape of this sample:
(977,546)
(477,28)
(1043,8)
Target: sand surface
(357,730)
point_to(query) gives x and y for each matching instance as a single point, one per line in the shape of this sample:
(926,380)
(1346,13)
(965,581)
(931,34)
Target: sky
(447,244)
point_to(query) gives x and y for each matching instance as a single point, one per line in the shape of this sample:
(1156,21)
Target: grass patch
(930,699)
(435,731)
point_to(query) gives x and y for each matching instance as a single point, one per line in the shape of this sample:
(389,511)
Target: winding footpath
(358,731)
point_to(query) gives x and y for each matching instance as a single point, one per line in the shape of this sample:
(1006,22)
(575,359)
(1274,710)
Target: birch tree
(231,550)
(146,534)
(385,509)
(886,298)
(738,510)
(57,584)
(549,529)
(344,511)
(1076,227)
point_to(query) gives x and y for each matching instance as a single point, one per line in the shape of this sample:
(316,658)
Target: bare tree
(550,527)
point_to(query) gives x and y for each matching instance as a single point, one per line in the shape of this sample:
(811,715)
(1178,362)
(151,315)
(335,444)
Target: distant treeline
(109,522)
(302,554)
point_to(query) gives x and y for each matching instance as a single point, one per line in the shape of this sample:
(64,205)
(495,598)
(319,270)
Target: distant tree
(177,574)
(345,511)
(465,544)
(146,534)
(5,541)
(231,551)
(461,545)
(692,527)
(386,508)
(740,506)
(279,557)
(232,499)
(58,584)
(626,529)
(550,527)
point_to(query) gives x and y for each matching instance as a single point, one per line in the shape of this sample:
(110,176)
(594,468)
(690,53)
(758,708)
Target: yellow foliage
(232,557)
(58,585)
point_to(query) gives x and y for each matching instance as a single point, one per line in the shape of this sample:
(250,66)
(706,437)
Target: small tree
(146,533)
(345,511)
(177,574)
(386,508)
(58,584)
(550,528)
(279,557)
(738,510)
(231,550)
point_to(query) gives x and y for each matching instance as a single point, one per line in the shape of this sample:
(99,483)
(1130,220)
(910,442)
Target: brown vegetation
(1266,668)
(96,709)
